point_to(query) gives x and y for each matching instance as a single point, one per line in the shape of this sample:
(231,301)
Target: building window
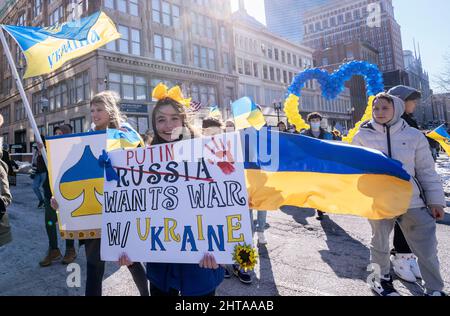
(165,13)
(265,72)
(21,21)
(168,49)
(127,44)
(240,66)
(19,111)
(255,70)
(156,11)
(130,87)
(211,59)
(247,67)
(125,6)
(37,8)
(272,74)
(223,35)
(206,94)
(78,125)
(4,111)
(226,62)
(79,88)
(139,123)
(56,16)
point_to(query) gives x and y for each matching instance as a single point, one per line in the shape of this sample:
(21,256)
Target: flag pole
(19,85)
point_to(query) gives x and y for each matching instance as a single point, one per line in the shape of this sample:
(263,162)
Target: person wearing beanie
(404,262)
(389,133)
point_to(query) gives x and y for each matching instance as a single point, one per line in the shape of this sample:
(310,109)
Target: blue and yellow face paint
(47,49)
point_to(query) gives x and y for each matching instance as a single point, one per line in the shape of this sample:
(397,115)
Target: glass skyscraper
(285,17)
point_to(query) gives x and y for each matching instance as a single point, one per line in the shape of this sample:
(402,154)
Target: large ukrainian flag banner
(47,49)
(441,135)
(331,177)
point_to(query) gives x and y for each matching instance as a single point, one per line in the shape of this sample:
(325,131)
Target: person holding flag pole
(47,49)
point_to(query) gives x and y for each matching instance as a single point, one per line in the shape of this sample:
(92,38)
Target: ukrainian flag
(124,138)
(332,177)
(47,49)
(441,135)
(247,114)
(215,112)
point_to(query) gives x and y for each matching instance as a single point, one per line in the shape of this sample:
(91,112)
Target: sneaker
(70,256)
(41,204)
(243,276)
(52,255)
(437,293)
(414,266)
(402,267)
(384,287)
(262,238)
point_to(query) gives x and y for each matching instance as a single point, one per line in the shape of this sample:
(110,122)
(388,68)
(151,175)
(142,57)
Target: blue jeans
(38,180)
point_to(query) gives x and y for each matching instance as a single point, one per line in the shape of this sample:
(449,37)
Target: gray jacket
(410,147)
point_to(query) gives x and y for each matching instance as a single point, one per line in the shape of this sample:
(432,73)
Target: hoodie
(409,146)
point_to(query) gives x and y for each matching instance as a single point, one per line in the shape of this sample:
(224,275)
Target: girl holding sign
(105,113)
(169,279)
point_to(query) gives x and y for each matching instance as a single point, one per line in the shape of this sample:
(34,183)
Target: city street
(302,257)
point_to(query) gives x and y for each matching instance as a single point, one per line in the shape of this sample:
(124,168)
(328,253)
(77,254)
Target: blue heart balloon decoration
(332,85)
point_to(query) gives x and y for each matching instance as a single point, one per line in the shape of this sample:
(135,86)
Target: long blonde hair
(111,101)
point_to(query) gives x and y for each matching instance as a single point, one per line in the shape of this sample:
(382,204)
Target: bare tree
(443,79)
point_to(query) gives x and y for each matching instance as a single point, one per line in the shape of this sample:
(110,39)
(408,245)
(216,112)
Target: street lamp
(351,111)
(277,106)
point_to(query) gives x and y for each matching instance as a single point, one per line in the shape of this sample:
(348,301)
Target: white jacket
(409,146)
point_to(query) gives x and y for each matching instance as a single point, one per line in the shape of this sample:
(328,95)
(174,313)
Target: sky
(428,22)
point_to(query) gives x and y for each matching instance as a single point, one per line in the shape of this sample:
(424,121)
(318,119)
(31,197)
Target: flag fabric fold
(124,138)
(441,135)
(332,177)
(47,49)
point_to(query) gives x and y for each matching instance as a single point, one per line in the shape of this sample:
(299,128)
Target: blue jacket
(323,134)
(189,279)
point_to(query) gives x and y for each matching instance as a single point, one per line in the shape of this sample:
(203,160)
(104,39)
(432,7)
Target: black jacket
(410,120)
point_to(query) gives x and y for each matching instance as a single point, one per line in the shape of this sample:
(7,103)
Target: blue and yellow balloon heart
(332,85)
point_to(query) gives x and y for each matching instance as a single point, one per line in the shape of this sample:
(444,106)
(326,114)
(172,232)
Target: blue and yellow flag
(215,112)
(247,114)
(332,177)
(441,135)
(47,49)
(124,138)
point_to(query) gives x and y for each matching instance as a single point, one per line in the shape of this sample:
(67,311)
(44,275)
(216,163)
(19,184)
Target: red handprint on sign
(223,155)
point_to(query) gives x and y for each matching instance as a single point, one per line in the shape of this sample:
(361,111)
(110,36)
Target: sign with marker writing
(175,202)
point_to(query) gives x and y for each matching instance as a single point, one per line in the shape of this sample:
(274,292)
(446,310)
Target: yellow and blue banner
(215,112)
(124,138)
(441,135)
(247,114)
(332,177)
(47,49)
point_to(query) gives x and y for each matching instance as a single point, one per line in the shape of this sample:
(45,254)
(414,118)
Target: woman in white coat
(389,133)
